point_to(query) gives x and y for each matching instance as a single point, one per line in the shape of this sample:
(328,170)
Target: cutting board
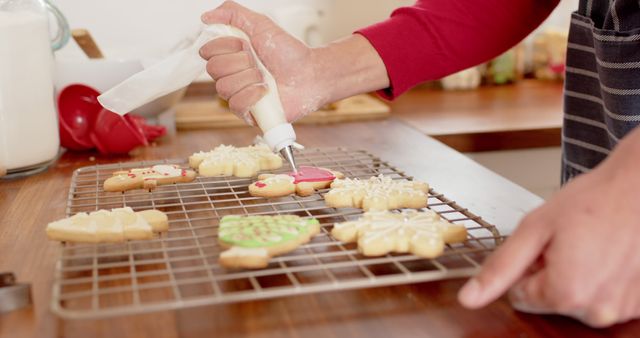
(213,113)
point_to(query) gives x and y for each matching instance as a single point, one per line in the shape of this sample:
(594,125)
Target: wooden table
(425,310)
(527,114)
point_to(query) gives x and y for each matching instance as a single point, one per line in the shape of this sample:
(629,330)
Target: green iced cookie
(262,231)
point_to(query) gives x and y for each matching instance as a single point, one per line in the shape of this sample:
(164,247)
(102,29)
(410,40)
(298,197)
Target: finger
(528,294)
(221,46)
(242,102)
(228,64)
(232,84)
(506,265)
(231,13)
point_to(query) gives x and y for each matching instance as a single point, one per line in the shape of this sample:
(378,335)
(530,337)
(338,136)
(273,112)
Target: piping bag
(181,68)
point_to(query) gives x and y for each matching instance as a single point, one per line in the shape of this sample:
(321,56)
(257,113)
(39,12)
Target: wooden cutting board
(213,113)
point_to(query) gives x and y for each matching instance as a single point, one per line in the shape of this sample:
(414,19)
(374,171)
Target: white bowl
(104,74)
(100,74)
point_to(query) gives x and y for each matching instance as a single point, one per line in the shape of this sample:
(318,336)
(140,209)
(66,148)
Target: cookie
(377,193)
(148,178)
(251,241)
(116,225)
(422,233)
(303,183)
(231,161)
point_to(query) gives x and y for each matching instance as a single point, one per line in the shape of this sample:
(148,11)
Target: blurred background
(498,113)
(146,28)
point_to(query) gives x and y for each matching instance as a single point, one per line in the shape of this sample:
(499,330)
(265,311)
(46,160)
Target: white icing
(278,179)
(379,187)
(402,227)
(251,156)
(170,170)
(87,224)
(157,171)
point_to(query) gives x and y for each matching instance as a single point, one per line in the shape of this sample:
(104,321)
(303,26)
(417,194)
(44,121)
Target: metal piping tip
(287,153)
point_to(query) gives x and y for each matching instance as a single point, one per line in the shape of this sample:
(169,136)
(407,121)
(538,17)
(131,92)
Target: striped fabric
(602,88)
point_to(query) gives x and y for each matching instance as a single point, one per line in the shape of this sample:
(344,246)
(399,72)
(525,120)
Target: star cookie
(422,233)
(231,161)
(303,183)
(101,226)
(252,240)
(377,193)
(148,178)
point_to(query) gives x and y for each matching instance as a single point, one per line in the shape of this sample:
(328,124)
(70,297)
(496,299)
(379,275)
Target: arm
(433,39)
(419,43)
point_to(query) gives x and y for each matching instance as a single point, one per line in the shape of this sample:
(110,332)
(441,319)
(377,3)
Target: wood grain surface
(419,310)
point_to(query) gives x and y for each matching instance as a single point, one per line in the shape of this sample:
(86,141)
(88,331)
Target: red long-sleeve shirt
(435,38)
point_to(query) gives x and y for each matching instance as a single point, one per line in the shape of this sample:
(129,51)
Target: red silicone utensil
(151,132)
(115,134)
(77,110)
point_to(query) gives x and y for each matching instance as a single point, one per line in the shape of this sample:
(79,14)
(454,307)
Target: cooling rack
(179,268)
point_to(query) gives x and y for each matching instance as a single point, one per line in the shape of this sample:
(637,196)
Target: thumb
(231,13)
(506,265)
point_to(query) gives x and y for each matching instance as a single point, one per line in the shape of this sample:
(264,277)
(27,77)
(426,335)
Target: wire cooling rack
(179,268)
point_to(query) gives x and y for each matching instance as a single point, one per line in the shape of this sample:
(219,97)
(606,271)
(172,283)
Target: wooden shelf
(523,115)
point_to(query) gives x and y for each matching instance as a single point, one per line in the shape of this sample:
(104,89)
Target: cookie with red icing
(148,178)
(303,183)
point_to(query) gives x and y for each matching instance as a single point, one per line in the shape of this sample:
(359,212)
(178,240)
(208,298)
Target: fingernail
(470,293)
(248,119)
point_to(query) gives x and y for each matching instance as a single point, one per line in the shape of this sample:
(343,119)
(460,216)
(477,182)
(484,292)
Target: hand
(307,78)
(578,254)
(239,81)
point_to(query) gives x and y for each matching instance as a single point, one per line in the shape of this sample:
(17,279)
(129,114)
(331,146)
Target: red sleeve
(435,38)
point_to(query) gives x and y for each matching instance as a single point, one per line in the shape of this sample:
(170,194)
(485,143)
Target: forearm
(348,67)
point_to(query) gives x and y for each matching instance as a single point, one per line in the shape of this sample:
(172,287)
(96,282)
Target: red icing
(184,172)
(312,174)
(260,185)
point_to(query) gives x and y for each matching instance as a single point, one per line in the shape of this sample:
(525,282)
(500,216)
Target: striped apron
(602,87)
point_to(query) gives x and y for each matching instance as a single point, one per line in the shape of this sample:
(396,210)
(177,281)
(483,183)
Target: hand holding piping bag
(233,66)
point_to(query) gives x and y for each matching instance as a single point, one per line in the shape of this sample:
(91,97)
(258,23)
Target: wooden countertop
(426,309)
(527,114)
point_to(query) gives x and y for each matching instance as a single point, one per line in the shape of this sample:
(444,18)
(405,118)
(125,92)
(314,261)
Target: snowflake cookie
(148,178)
(303,183)
(231,161)
(252,240)
(377,193)
(422,233)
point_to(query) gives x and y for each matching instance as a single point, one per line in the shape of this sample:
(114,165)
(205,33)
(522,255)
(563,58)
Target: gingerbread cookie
(422,233)
(377,193)
(148,178)
(303,183)
(252,240)
(231,161)
(116,225)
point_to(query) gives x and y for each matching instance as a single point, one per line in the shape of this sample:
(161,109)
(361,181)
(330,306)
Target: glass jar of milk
(29,138)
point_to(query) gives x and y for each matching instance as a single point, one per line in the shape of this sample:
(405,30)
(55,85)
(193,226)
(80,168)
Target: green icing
(261,231)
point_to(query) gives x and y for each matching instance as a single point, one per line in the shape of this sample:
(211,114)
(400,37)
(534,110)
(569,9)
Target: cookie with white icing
(231,161)
(148,178)
(303,183)
(116,225)
(251,241)
(422,233)
(377,193)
